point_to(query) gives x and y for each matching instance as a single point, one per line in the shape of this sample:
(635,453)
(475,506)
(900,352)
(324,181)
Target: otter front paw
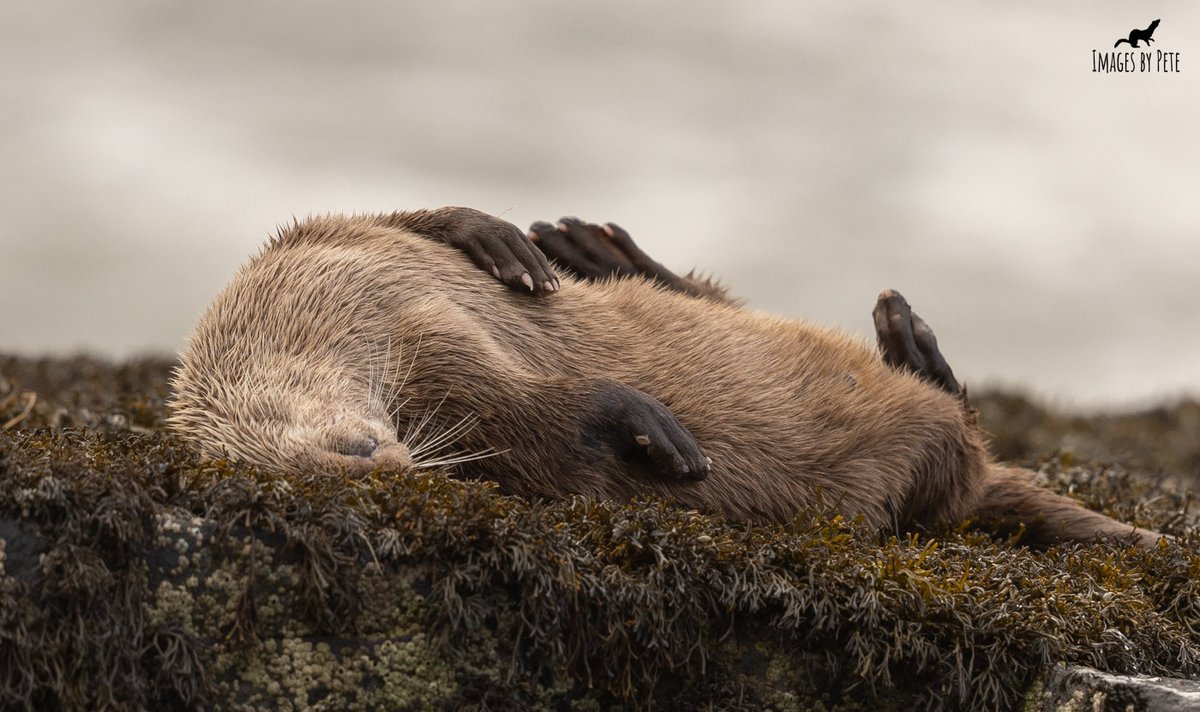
(644,430)
(499,247)
(596,251)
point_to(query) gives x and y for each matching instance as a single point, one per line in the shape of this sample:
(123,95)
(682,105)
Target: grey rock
(1083,689)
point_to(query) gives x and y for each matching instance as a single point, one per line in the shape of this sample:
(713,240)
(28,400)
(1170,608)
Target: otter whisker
(379,371)
(447,437)
(416,427)
(432,443)
(371,364)
(458,459)
(396,410)
(373,376)
(393,372)
(466,423)
(388,373)
(411,436)
(429,415)
(396,383)
(411,364)
(393,403)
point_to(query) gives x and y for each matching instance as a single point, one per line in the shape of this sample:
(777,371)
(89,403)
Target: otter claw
(640,428)
(498,247)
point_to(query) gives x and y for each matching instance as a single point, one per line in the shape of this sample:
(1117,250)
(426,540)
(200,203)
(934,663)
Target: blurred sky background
(1043,218)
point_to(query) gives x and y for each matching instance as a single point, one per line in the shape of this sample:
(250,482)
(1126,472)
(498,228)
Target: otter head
(283,413)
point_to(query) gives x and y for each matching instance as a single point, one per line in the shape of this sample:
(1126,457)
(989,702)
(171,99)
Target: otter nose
(357,447)
(393,456)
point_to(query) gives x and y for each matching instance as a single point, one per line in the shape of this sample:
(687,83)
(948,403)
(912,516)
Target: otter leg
(494,245)
(907,342)
(639,428)
(593,252)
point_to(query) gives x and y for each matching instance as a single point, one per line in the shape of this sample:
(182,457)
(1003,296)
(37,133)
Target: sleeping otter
(367,342)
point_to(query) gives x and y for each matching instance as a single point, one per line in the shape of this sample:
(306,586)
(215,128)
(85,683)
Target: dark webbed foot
(499,247)
(593,251)
(907,342)
(636,426)
(606,251)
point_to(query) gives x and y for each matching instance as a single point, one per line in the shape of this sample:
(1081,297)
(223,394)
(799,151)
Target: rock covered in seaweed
(136,576)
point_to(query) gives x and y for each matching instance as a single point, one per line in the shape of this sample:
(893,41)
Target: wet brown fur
(341,320)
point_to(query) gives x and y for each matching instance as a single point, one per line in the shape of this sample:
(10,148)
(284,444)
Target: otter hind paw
(907,342)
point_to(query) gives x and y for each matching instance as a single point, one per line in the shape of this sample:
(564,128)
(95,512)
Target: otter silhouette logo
(1136,35)
(1138,57)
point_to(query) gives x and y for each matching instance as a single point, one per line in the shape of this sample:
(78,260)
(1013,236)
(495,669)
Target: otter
(365,342)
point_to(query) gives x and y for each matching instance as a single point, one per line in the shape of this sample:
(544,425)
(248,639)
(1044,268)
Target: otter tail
(1011,499)
(1118,44)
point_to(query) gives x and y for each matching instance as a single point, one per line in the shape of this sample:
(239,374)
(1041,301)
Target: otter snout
(391,456)
(366,449)
(357,447)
